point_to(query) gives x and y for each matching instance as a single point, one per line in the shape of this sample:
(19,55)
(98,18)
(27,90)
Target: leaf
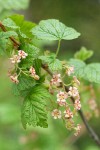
(52,29)
(9,23)
(90,72)
(13,4)
(3,43)
(83,54)
(34,108)
(78,67)
(24,86)
(7,34)
(53,63)
(33,53)
(25,26)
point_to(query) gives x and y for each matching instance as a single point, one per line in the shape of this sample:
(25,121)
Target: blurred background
(84,16)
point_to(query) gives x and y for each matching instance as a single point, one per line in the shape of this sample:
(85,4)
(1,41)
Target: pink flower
(22,54)
(68,113)
(70,70)
(73,91)
(14,79)
(78,128)
(61,97)
(15,59)
(77,105)
(61,103)
(56,114)
(32,71)
(56,79)
(76,80)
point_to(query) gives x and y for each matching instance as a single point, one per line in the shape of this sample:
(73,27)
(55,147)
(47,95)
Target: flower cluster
(33,73)
(56,79)
(63,109)
(17,58)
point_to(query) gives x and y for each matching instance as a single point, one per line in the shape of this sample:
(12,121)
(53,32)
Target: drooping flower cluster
(17,58)
(64,109)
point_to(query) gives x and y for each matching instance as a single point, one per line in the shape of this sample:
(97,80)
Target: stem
(58,48)
(91,132)
(16,43)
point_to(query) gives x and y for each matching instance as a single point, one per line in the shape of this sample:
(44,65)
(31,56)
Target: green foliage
(90,72)
(33,53)
(24,86)
(15,4)
(7,34)
(25,26)
(52,29)
(34,108)
(53,63)
(83,54)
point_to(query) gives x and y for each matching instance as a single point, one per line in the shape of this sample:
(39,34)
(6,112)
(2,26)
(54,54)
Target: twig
(16,43)
(91,132)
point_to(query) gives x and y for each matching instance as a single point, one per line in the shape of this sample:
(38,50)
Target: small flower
(61,96)
(73,91)
(56,114)
(77,105)
(32,71)
(56,79)
(76,80)
(14,79)
(78,128)
(68,113)
(60,103)
(70,70)
(15,59)
(22,54)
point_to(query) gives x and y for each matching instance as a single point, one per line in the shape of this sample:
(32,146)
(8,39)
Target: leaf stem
(58,48)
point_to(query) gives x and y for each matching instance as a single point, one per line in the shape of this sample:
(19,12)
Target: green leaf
(52,29)
(9,23)
(83,54)
(25,26)
(78,67)
(53,63)
(90,72)
(33,53)
(3,43)
(13,4)
(34,108)
(24,86)
(7,34)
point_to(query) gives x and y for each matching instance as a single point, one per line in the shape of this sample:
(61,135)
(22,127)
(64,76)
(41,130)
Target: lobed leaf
(83,54)
(52,29)
(34,108)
